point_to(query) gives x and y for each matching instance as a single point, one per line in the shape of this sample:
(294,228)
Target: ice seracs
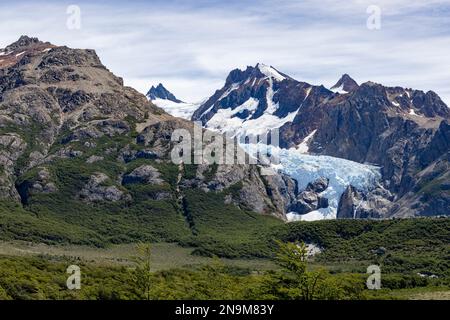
(306,168)
(164,99)
(340,172)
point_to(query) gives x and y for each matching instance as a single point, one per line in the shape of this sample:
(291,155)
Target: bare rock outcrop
(310,199)
(98,189)
(144,174)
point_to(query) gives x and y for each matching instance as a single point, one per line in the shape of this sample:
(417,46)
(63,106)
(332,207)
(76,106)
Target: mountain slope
(84,159)
(401,130)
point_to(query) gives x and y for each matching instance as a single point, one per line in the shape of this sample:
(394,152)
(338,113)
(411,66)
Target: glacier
(305,168)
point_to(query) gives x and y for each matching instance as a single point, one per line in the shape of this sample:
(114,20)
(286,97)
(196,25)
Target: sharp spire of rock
(160,92)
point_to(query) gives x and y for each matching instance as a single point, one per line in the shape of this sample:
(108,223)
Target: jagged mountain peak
(160,92)
(345,84)
(23,42)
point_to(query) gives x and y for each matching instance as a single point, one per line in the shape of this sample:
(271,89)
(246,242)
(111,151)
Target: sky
(191,46)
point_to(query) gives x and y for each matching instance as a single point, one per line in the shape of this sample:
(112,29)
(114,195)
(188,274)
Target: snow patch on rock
(303,147)
(413,113)
(270,72)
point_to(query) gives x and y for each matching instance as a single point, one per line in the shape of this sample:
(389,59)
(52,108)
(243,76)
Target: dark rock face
(348,203)
(372,126)
(309,199)
(318,186)
(282,190)
(357,204)
(160,92)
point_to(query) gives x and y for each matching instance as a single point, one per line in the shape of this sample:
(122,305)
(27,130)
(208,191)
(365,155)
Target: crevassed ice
(341,172)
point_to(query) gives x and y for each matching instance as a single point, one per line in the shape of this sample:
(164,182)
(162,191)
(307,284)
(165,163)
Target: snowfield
(225,120)
(180,110)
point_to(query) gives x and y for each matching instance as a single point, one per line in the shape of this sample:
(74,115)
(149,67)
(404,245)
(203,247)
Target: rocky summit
(256,100)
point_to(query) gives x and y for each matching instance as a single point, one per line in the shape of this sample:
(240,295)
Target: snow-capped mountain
(254,101)
(340,173)
(166,100)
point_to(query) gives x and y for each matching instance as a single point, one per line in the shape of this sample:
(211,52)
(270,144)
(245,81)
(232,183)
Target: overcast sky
(190,46)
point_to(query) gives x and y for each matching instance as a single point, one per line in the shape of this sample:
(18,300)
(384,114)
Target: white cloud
(192,48)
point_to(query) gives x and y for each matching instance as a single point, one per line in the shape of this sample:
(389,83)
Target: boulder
(309,199)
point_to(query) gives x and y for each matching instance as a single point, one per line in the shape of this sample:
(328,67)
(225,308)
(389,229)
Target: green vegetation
(416,245)
(299,283)
(44,277)
(414,254)
(230,232)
